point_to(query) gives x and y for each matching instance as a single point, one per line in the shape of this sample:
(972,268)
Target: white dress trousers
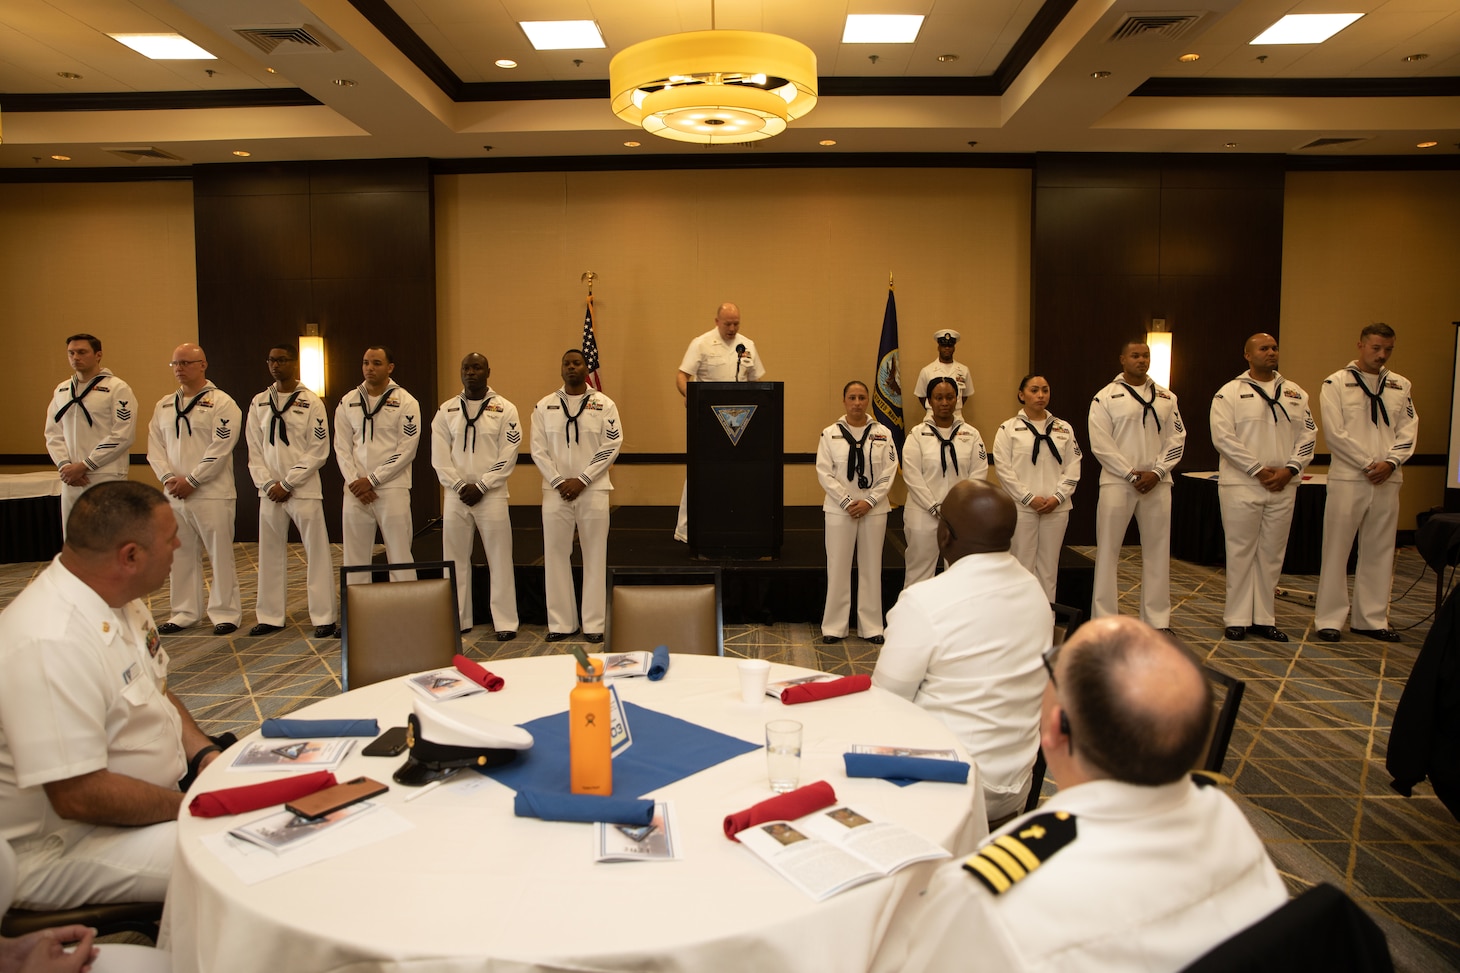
(1038,537)
(928,482)
(862,536)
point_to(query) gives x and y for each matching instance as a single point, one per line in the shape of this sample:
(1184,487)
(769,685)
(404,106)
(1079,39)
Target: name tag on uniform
(130,673)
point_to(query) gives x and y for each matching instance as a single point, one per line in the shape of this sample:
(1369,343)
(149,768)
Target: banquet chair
(1066,620)
(392,628)
(1321,930)
(107,918)
(676,607)
(1229,701)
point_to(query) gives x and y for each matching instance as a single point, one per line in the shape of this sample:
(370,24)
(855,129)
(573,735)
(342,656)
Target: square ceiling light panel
(164,47)
(1305,28)
(562,35)
(882,28)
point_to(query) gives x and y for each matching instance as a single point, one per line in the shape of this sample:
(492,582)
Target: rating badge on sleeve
(734,419)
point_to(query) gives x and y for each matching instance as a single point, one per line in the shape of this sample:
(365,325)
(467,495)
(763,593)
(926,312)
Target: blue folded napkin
(582,807)
(659,665)
(905,770)
(305,729)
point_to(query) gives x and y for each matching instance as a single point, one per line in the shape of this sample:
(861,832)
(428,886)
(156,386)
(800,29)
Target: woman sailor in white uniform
(939,451)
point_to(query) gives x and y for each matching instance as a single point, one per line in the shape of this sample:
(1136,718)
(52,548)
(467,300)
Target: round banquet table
(472,887)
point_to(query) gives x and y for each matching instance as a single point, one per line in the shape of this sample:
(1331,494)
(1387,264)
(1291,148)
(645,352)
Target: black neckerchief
(1044,438)
(471,420)
(856,457)
(945,447)
(76,399)
(367,414)
(276,421)
(182,414)
(1376,399)
(572,419)
(1272,400)
(1147,405)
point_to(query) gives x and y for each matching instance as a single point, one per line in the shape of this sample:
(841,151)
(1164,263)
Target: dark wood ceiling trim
(160,100)
(383,18)
(592,88)
(1298,88)
(735,159)
(1045,21)
(1371,163)
(53,174)
(984,86)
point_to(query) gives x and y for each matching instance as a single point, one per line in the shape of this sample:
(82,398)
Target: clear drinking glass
(783,754)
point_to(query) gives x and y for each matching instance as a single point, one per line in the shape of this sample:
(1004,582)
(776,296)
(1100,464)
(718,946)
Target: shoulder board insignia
(1011,857)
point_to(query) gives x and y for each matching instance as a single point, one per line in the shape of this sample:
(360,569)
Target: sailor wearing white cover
(575,438)
(1263,428)
(1130,865)
(721,354)
(1370,426)
(190,446)
(474,441)
(288,443)
(377,432)
(944,365)
(1137,434)
(939,452)
(90,424)
(1043,490)
(856,460)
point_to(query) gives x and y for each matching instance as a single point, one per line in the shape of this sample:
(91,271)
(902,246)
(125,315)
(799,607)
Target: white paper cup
(754,674)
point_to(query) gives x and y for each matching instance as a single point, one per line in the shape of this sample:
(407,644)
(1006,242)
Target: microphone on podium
(739,353)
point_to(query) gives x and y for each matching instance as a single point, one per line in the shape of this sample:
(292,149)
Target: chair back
(1066,620)
(677,608)
(1321,930)
(392,628)
(1229,692)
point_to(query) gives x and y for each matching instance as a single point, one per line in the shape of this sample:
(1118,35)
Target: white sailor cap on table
(946,334)
(444,738)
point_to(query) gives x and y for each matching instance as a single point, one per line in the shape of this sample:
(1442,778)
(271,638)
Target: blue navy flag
(590,346)
(887,387)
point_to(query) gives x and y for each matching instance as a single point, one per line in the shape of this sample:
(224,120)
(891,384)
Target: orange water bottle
(590,742)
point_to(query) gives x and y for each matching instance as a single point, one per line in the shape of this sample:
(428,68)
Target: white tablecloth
(20,486)
(471,887)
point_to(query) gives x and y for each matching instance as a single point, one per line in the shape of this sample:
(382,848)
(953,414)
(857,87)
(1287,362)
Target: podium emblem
(734,419)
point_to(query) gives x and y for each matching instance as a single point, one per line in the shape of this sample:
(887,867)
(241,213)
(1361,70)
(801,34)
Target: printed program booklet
(442,684)
(774,689)
(652,842)
(837,848)
(284,830)
(293,755)
(622,665)
(889,750)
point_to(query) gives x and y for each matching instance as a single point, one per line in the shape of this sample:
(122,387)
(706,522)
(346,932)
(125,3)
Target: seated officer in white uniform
(92,746)
(1130,866)
(966,645)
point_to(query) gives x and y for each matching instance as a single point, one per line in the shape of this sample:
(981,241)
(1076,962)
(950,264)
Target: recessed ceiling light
(61,158)
(271,70)
(344,82)
(882,28)
(1099,75)
(505,62)
(1416,57)
(1425,145)
(1188,58)
(562,35)
(163,47)
(1231,145)
(1305,28)
(827,142)
(632,144)
(945,58)
(68,75)
(241,153)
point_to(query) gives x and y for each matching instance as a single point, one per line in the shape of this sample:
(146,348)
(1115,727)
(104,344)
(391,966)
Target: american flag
(590,346)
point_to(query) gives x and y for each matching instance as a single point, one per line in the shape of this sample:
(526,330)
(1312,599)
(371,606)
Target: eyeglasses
(277,360)
(1051,657)
(179,362)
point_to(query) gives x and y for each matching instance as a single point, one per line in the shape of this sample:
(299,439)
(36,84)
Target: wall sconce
(1158,339)
(311,359)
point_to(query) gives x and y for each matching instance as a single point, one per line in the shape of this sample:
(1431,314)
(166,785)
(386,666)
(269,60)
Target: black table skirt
(30,529)
(1197,535)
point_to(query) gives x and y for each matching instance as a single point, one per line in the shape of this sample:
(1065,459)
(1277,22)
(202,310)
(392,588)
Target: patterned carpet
(1307,756)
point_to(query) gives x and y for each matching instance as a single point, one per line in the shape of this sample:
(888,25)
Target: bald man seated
(965,645)
(1130,866)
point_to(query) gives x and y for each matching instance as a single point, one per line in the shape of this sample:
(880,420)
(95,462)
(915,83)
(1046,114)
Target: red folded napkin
(783,807)
(806,692)
(251,797)
(473,671)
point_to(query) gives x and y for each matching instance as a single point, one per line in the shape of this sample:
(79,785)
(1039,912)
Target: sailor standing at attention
(90,424)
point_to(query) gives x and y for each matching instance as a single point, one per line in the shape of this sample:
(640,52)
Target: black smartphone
(388,744)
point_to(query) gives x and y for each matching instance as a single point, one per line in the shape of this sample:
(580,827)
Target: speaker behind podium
(735,435)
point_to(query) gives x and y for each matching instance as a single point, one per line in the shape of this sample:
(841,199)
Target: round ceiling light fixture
(1189,58)
(505,62)
(714,86)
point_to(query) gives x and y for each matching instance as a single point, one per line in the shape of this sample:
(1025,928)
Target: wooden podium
(735,435)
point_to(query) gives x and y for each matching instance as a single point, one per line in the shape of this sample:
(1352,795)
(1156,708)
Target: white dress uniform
(1366,418)
(932,462)
(475,443)
(863,536)
(377,438)
(94,424)
(1135,429)
(1254,425)
(83,691)
(1104,877)
(711,359)
(955,370)
(193,437)
(1038,459)
(575,435)
(288,444)
(966,646)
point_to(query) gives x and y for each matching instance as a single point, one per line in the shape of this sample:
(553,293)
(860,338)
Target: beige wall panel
(112,259)
(1376,246)
(806,254)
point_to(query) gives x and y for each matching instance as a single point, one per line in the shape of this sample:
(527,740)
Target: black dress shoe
(560,636)
(465,630)
(876,639)
(1382,634)
(263,628)
(831,639)
(168,628)
(224,628)
(506,636)
(1270,632)
(326,631)
(594,637)
(1236,633)
(1328,634)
